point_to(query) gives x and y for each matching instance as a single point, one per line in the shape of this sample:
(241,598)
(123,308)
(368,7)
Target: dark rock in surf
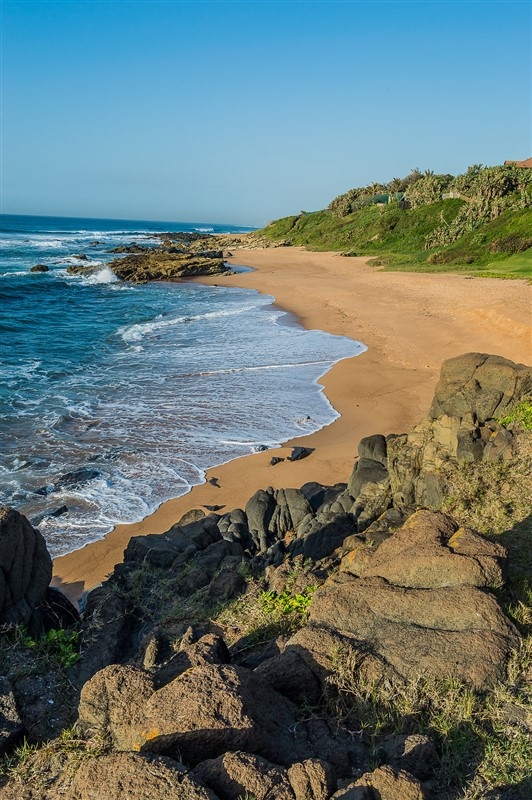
(69,480)
(84,271)
(40,268)
(164,265)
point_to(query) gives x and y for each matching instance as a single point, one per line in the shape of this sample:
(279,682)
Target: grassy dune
(396,239)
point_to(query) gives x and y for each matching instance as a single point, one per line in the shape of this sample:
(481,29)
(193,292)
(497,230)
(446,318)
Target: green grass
(481,741)
(260,616)
(38,765)
(55,650)
(518,265)
(520,415)
(396,239)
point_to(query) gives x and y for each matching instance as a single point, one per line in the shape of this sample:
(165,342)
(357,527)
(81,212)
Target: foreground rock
(418,605)
(25,570)
(237,775)
(221,708)
(384,783)
(473,391)
(11,727)
(136,776)
(193,706)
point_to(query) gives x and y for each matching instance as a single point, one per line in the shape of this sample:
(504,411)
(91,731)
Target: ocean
(115,397)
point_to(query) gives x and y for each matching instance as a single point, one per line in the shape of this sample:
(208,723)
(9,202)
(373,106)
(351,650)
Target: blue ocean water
(115,397)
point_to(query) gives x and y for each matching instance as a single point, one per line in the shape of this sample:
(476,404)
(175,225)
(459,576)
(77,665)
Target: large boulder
(455,631)
(209,649)
(25,570)
(418,602)
(259,511)
(272,513)
(178,544)
(325,534)
(137,776)
(430,551)
(474,391)
(109,633)
(366,471)
(236,775)
(113,703)
(384,783)
(480,385)
(204,712)
(301,670)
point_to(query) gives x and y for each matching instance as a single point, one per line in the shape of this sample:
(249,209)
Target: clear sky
(247,111)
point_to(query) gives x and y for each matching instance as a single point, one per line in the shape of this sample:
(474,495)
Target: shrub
(520,415)
(510,244)
(56,649)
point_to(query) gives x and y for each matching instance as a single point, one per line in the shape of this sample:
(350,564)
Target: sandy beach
(410,323)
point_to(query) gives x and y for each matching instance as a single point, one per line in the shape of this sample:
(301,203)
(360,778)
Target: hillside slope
(484,228)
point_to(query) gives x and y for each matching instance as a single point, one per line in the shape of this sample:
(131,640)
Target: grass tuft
(483,739)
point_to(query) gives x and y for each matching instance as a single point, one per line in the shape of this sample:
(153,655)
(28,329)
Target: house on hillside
(527,164)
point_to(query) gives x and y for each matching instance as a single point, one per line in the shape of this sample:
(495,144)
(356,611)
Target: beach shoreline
(410,323)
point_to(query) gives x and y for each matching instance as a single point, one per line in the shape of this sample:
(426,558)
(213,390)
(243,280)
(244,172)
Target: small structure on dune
(527,164)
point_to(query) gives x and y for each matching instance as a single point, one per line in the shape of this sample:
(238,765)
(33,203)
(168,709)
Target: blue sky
(247,111)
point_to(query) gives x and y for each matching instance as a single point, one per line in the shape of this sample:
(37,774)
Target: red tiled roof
(527,163)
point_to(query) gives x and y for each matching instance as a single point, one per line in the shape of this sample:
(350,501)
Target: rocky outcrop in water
(401,594)
(176,256)
(157,265)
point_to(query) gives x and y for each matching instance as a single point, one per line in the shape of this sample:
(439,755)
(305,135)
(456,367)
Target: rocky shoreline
(248,654)
(176,256)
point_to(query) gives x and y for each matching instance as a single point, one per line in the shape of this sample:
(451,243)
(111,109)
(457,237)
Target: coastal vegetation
(480,221)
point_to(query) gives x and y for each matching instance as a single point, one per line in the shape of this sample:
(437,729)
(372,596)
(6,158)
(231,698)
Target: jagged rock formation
(402,591)
(25,570)
(416,598)
(461,426)
(152,266)
(160,264)
(176,256)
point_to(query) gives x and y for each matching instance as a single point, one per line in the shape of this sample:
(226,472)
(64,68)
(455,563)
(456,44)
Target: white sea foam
(135,333)
(131,413)
(4,243)
(104,275)
(261,367)
(45,243)
(204,230)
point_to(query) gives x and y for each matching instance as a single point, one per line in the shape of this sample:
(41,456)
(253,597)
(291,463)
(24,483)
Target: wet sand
(410,322)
